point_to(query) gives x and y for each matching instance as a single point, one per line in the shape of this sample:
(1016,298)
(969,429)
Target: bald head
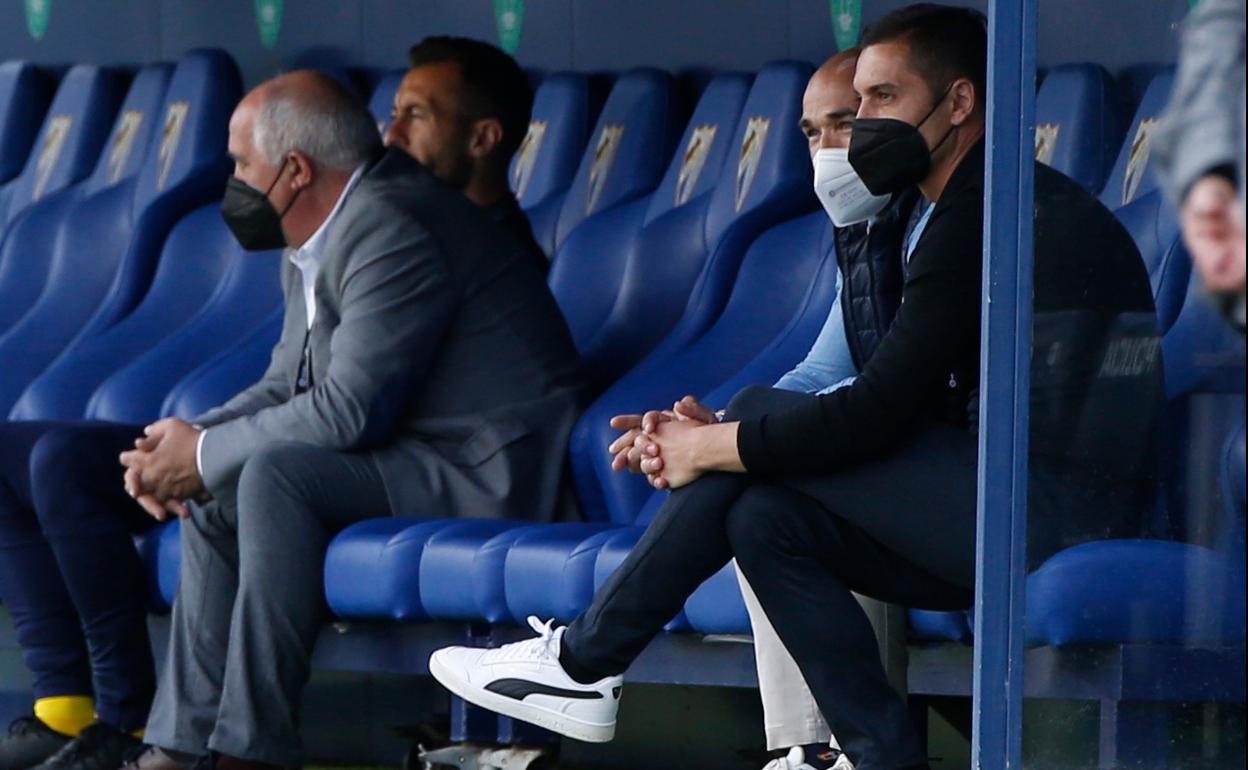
(830,104)
(313,113)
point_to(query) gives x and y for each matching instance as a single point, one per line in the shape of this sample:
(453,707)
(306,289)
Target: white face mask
(840,190)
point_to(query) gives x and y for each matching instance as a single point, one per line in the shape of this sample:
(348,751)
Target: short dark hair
(946,43)
(494,85)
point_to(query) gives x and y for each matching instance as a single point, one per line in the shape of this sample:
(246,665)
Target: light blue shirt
(829,365)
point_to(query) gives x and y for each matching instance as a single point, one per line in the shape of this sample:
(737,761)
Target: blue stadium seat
(70,140)
(105,255)
(628,151)
(1078,128)
(1132,175)
(24,256)
(564,110)
(382,100)
(694,251)
(1133,194)
(25,93)
(217,379)
(206,295)
(667,226)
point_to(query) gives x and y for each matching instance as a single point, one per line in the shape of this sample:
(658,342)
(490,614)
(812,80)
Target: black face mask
(891,155)
(251,217)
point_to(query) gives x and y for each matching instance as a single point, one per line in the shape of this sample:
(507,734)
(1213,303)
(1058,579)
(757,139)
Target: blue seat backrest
(1233,481)
(665,230)
(24,262)
(1132,175)
(627,151)
(201,265)
(248,295)
(765,179)
(563,116)
(104,257)
(219,378)
(1078,126)
(71,138)
(789,273)
(382,101)
(1154,226)
(25,93)
(565,108)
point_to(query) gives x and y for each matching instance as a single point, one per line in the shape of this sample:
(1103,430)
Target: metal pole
(1005,379)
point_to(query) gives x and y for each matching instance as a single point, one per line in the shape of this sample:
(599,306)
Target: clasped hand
(161,473)
(662,444)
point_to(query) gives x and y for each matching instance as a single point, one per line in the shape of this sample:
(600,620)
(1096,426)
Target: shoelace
(541,647)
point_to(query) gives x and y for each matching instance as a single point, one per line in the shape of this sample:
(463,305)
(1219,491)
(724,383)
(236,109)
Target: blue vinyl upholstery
(564,110)
(70,140)
(24,256)
(588,279)
(382,101)
(103,258)
(627,151)
(24,96)
(1078,128)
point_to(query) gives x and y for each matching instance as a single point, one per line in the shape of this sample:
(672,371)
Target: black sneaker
(29,742)
(99,747)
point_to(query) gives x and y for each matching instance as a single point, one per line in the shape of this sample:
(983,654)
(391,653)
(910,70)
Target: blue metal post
(1005,379)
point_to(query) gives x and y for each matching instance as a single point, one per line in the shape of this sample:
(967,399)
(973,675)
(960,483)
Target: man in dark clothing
(463,110)
(871,488)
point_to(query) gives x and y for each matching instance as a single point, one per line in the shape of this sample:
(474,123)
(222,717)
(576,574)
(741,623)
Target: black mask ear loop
(931,112)
(281,214)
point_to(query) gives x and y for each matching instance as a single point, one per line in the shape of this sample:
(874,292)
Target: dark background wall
(587,35)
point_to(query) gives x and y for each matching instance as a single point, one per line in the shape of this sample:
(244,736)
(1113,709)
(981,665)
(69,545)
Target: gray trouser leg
(291,499)
(185,708)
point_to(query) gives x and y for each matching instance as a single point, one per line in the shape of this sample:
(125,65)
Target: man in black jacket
(871,488)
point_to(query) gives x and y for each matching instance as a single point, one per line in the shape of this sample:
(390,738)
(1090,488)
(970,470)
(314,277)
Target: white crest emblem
(604,155)
(1137,162)
(526,157)
(170,136)
(751,153)
(50,152)
(694,161)
(1046,142)
(123,142)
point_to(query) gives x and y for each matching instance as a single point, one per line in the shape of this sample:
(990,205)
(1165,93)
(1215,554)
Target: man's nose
(393,135)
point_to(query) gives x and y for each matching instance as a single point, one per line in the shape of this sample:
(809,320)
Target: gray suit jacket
(1204,126)
(437,348)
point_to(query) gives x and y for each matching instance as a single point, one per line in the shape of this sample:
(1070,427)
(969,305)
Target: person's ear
(486,135)
(964,99)
(302,171)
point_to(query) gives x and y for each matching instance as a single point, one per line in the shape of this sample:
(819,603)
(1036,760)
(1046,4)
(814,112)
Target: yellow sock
(67,714)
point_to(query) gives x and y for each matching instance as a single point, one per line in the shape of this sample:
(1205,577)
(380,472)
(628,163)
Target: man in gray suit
(1200,148)
(423,367)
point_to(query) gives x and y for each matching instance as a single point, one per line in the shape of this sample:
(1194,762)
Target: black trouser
(900,529)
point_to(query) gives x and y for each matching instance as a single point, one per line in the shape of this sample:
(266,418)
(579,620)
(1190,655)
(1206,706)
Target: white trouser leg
(790,714)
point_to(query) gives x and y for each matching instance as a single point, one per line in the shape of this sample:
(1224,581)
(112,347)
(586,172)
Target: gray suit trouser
(250,602)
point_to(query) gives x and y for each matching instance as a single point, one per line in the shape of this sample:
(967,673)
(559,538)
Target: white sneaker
(796,760)
(525,680)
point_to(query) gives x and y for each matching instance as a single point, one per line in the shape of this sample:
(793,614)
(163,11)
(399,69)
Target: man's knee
(70,461)
(767,522)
